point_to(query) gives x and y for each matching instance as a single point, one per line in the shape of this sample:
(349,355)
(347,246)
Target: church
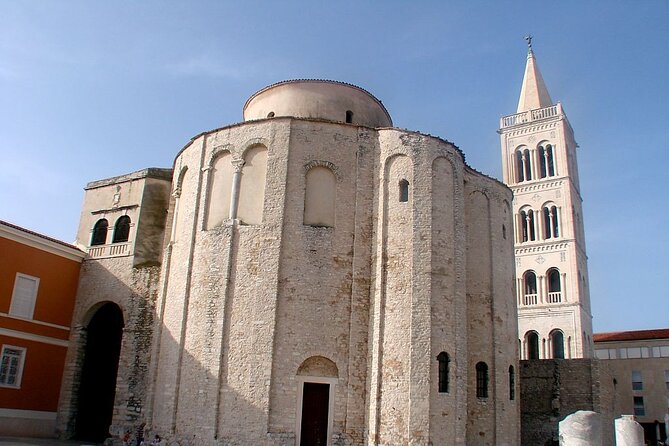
(313,275)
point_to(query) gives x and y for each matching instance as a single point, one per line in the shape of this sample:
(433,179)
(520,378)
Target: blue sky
(90,90)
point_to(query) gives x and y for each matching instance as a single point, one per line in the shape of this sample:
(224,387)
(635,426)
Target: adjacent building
(539,165)
(639,363)
(38,284)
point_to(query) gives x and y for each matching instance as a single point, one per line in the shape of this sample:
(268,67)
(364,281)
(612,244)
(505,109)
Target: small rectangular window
(666,379)
(637,381)
(602,354)
(24,296)
(639,409)
(11,366)
(664,351)
(634,352)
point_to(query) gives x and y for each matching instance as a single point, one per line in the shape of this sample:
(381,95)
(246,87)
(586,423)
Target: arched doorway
(316,378)
(97,387)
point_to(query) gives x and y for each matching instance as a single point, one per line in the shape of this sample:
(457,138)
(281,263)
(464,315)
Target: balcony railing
(531,115)
(112,250)
(555,297)
(530,299)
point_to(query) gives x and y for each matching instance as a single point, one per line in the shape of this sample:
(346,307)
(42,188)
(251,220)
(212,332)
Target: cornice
(41,242)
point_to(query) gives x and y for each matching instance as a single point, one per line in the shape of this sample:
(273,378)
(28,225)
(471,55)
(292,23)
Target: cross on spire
(529,42)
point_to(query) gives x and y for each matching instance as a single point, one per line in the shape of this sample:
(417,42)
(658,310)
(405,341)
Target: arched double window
(482,380)
(557,342)
(121,229)
(523,164)
(546,160)
(527,232)
(554,286)
(99,236)
(530,296)
(443,371)
(532,343)
(551,222)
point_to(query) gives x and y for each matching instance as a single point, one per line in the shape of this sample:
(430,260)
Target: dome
(318,99)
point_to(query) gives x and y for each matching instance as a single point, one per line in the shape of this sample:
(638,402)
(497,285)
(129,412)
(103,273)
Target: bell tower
(539,165)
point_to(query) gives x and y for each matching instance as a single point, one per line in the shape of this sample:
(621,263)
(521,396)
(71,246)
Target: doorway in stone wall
(97,387)
(315,411)
(316,384)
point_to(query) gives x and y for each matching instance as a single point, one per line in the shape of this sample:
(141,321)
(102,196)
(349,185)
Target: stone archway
(97,387)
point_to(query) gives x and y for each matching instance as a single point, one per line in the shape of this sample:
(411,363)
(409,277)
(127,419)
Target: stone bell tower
(539,165)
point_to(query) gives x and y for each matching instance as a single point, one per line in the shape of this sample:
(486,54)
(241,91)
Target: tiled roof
(633,335)
(45,237)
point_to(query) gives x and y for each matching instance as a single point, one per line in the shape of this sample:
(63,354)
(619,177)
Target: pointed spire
(534,93)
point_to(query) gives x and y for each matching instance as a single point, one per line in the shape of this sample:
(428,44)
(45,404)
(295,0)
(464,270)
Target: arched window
(121,229)
(551,222)
(527,225)
(530,288)
(519,167)
(527,164)
(482,380)
(557,339)
(532,341)
(349,116)
(270,114)
(443,371)
(542,162)
(319,197)
(512,383)
(99,236)
(404,191)
(550,160)
(554,286)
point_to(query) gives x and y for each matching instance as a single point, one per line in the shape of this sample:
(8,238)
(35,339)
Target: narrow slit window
(482,380)
(404,191)
(443,371)
(512,383)
(349,116)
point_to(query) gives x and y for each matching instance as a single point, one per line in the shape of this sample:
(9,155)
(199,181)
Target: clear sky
(93,89)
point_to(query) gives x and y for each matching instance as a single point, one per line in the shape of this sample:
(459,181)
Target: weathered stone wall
(552,389)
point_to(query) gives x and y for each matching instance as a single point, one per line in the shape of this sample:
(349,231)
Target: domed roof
(318,99)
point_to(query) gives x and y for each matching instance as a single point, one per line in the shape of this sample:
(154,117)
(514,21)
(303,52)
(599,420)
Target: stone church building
(311,275)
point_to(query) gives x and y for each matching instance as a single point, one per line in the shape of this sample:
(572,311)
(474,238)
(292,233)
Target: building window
(546,161)
(551,223)
(532,341)
(121,229)
(11,366)
(270,114)
(100,232)
(639,409)
(527,225)
(404,191)
(530,296)
(482,380)
(320,197)
(443,371)
(557,339)
(349,116)
(637,380)
(666,381)
(512,383)
(527,164)
(24,296)
(554,286)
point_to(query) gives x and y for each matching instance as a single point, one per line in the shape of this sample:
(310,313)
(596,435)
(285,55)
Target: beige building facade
(639,363)
(311,276)
(539,165)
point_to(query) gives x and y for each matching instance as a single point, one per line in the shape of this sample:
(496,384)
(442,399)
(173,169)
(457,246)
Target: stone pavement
(16,441)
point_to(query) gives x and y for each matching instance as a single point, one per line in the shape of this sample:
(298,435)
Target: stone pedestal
(582,428)
(628,432)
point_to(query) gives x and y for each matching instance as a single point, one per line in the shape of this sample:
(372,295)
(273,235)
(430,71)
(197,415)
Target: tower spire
(534,93)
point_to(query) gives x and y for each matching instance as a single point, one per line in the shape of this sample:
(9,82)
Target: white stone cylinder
(582,428)
(628,432)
